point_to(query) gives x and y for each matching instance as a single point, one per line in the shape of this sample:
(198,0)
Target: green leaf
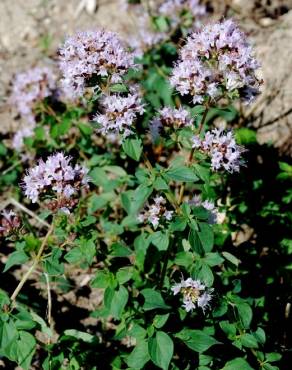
(204,273)
(197,340)
(213,259)
(119,301)
(120,250)
(267,366)
(161,24)
(52,264)
(133,201)
(102,279)
(160,240)
(260,335)
(245,313)
(184,259)
(88,338)
(237,364)
(160,184)
(235,261)
(245,136)
(160,320)
(133,148)
(124,274)
(15,258)
(8,335)
(153,299)
(273,356)
(139,356)
(206,236)
(249,341)
(161,350)
(4,298)
(3,150)
(182,173)
(228,328)
(118,88)
(195,242)
(26,346)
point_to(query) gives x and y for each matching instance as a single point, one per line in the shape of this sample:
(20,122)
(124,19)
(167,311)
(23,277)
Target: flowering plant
(143,221)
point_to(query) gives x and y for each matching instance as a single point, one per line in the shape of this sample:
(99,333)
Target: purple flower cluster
(120,113)
(57,178)
(195,294)
(175,8)
(20,135)
(30,88)
(91,54)
(9,223)
(217,62)
(169,118)
(222,149)
(155,213)
(146,36)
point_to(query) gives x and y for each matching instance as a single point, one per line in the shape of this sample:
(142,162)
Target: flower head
(58,180)
(91,54)
(146,36)
(222,149)
(20,135)
(119,114)
(217,62)
(170,118)
(195,294)
(156,212)
(9,223)
(175,8)
(30,88)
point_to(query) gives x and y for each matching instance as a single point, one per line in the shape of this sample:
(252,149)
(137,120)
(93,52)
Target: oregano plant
(117,178)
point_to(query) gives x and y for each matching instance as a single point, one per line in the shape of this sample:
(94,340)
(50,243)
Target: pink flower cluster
(30,88)
(170,118)
(120,113)
(222,149)
(9,223)
(217,62)
(146,35)
(91,54)
(155,213)
(175,8)
(20,135)
(56,178)
(195,294)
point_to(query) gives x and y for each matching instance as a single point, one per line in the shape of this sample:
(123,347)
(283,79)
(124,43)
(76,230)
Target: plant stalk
(32,267)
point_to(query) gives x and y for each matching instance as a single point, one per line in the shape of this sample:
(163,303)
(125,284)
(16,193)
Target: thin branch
(32,267)
(28,211)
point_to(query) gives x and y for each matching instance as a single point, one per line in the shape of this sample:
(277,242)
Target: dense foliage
(128,187)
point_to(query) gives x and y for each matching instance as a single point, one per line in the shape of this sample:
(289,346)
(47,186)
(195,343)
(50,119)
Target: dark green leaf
(139,356)
(161,349)
(206,236)
(15,258)
(182,173)
(160,240)
(237,364)
(133,148)
(153,300)
(197,340)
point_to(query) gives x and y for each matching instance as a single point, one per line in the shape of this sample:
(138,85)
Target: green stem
(32,267)
(165,262)
(182,188)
